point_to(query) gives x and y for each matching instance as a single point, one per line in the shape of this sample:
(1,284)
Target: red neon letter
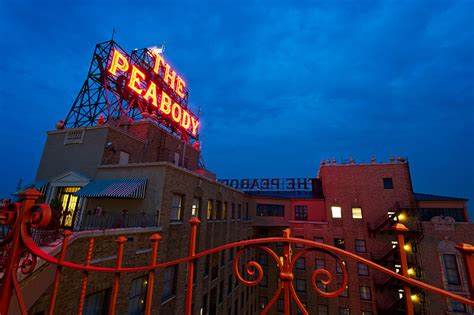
(180,87)
(176,112)
(195,124)
(158,61)
(151,93)
(165,106)
(170,76)
(186,121)
(135,77)
(118,62)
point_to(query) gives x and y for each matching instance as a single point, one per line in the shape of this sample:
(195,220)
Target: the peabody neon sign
(145,87)
(270,183)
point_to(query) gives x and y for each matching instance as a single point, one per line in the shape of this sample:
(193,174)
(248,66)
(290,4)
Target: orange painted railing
(24,253)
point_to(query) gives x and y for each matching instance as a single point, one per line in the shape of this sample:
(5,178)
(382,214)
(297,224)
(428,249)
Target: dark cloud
(281,85)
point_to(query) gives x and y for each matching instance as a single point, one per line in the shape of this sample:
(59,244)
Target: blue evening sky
(281,84)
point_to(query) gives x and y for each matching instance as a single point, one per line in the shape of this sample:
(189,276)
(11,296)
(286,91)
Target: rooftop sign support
(122,87)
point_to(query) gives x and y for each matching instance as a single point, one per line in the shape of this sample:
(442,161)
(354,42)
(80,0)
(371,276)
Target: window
(451,269)
(221,291)
(300,263)
(323,287)
(338,267)
(387,183)
(362,269)
(336,212)
(170,281)
(97,303)
(339,243)
(264,282)
(222,258)
(218,214)
(426,214)
(320,263)
(344,293)
(224,211)
(360,246)
(344,311)
(263,259)
(365,293)
(298,311)
(136,299)
(77,136)
(300,285)
(357,213)
(239,212)
(231,254)
(176,159)
(123,158)
(262,302)
(270,210)
(299,245)
(210,210)
(323,309)
(301,213)
(233,211)
(458,307)
(319,239)
(196,208)
(204,304)
(280,305)
(229,285)
(176,208)
(366,313)
(207,265)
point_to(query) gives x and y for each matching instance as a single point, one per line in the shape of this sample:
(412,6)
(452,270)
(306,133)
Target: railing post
(29,198)
(151,274)
(286,275)
(400,230)
(57,276)
(115,288)
(194,221)
(467,250)
(85,276)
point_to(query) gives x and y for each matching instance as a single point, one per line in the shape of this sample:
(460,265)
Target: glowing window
(357,213)
(336,212)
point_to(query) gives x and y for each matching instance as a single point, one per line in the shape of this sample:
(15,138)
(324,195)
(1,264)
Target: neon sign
(156,84)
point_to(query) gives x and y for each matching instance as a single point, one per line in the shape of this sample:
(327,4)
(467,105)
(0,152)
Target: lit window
(357,213)
(336,212)
(176,208)
(365,293)
(300,263)
(360,246)
(196,208)
(210,210)
(301,213)
(362,269)
(136,300)
(394,244)
(338,267)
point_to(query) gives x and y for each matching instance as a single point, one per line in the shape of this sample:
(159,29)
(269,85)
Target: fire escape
(388,256)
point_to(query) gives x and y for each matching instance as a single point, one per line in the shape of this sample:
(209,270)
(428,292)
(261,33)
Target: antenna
(113,34)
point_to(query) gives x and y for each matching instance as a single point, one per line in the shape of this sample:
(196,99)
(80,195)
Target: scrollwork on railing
(26,215)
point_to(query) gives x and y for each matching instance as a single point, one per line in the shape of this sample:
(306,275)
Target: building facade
(137,180)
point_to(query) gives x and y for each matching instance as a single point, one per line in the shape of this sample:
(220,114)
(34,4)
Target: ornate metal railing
(24,252)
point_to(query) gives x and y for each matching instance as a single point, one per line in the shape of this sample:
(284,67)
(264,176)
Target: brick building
(137,180)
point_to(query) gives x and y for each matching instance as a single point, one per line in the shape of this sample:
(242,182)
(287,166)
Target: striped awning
(40,185)
(133,188)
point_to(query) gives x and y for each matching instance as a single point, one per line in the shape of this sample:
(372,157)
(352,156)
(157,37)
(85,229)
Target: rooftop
(427,197)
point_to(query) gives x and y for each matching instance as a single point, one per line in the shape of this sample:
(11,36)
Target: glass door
(69,204)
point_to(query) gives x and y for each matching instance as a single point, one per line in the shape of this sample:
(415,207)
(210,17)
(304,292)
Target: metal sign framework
(25,215)
(104,98)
